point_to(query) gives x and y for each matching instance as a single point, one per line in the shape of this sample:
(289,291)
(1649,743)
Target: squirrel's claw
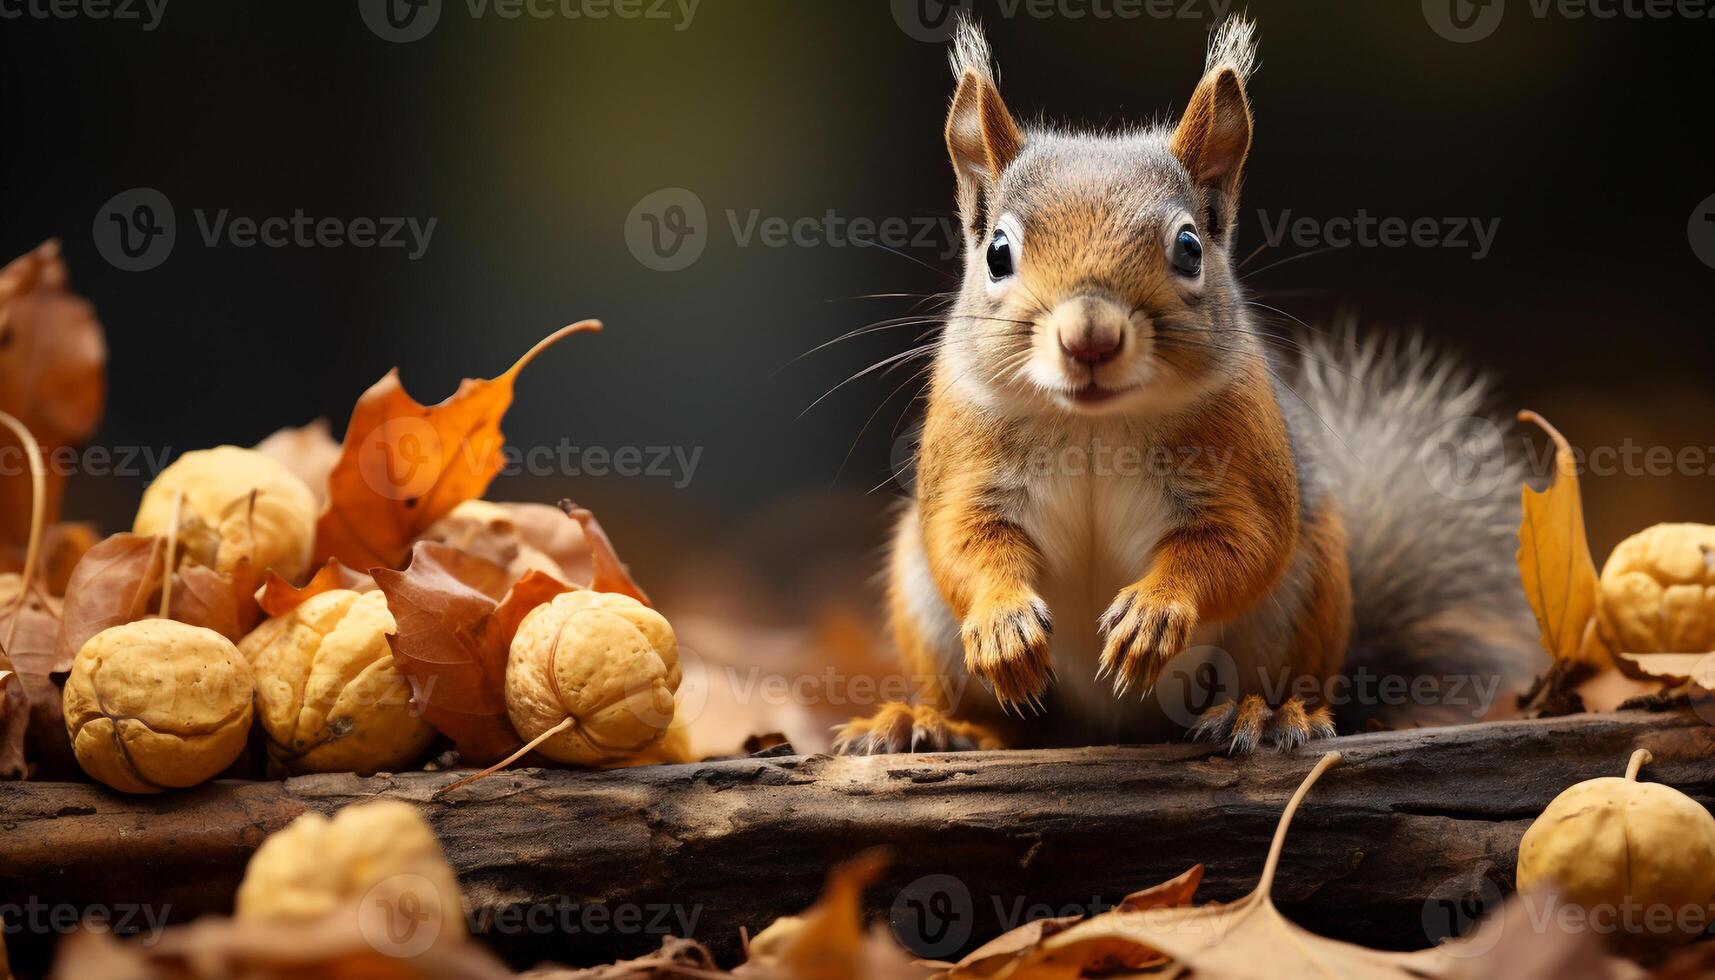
(1246,725)
(1006,647)
(1141,635)
(897,728)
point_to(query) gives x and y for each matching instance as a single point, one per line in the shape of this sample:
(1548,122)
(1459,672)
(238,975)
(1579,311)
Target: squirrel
(1117,472)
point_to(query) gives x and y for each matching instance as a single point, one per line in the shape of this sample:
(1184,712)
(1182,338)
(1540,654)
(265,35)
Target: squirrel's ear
(982,137)
(1214,136)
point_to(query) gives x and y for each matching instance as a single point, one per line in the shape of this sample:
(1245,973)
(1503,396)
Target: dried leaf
(404,465)
(607,572)
(53,363)
(1554,561)
(349,944)
(279,597)
(225,603)
(526,594)
(1006,954)
(1698,668)
(447,643)
(29,637)
(828,942)
(308,451)
(677,959)
(14,721)
(1245,939)
(516,536)
(114,584)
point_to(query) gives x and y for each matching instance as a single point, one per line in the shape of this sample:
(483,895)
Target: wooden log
(589,867)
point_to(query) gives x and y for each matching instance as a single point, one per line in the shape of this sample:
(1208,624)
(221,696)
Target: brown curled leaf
(444,604)
(115,583)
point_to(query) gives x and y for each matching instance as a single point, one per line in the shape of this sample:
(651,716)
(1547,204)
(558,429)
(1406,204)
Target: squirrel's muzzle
(1090,329)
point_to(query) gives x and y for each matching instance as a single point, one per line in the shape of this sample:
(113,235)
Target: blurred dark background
(531,140)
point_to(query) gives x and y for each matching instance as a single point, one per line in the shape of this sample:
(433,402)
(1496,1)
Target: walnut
(219,526)
(607,662)
(377,857)
(1658,591)
(327,694)
(157,704)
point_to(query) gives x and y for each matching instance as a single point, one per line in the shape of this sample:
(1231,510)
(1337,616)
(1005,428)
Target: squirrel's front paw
(1006,646)
(1141,634)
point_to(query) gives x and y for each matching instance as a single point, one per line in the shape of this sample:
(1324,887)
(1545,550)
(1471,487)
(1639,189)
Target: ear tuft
(970,50)
(1233,45)
(982,137)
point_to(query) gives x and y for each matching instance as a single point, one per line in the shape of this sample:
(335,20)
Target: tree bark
(1409,829)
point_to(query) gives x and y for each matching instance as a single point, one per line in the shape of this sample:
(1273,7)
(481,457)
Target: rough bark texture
(609,861)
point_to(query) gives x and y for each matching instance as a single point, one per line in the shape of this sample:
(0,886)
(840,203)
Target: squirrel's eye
(1187,254)
(1000,255)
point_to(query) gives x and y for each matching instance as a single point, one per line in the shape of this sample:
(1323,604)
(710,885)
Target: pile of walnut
(306,605)
(156,703)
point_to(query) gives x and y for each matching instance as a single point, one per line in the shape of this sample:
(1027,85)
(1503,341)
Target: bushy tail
(1429,488)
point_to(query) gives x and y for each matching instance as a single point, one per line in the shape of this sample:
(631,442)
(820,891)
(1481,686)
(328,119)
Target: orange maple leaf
(404,465)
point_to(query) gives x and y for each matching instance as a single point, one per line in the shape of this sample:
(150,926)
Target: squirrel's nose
(1092,344)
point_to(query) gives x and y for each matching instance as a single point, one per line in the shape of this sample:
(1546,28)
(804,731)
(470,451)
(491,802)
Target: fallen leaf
(53,374)
(404,465)
(677,959)
(607,572)
(1004,955)
(1244,940)
(225,603)
(828,941)
(1554,562)
(1698,668)
(279,597)
(447,644)
(526,594)
(29,638)
(350,943)
(14,721)
(308,451)
(119,581)
(497,532)
(63,546)
(115,583)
